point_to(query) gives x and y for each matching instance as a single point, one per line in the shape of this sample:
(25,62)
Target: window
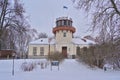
(62,23)
(78,50)
(58,23)
(64,34)
(42,51)
(65,22)
(34,51)
(84,48)
(69,23)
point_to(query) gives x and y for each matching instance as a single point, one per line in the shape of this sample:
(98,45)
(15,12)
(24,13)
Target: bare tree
(105,19)
(42,35)
(15,32)
(10,16)
(105,15)
(26,34)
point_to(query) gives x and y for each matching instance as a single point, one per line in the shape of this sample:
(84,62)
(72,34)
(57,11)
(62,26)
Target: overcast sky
(43,13)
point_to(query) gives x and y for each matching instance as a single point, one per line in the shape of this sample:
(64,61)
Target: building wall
(46,49)
(71,49)
(58,47)
(80,46)
(61,39)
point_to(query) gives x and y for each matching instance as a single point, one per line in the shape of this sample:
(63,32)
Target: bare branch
(115,7)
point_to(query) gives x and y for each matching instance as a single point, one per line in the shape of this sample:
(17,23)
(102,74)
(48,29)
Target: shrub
(28,66)
(56,56)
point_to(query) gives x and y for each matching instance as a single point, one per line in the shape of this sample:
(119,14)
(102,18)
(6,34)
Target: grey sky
(43,14)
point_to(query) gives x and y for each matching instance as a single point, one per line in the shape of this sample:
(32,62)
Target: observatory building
(63,41)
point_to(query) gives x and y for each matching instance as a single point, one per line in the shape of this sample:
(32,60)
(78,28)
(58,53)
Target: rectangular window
(34,51)
(57,23)
(64,34)
(65,22)
(69,23)
(41,51)
(62,23)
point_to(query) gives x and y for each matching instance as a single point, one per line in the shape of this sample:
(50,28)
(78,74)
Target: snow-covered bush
(27,66)
(107,67)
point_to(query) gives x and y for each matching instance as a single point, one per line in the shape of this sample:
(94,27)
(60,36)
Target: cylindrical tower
(63,30)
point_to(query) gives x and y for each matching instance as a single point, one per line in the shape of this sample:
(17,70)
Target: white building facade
(63,41)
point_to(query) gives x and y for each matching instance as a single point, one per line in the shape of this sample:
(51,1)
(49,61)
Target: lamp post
(49,49)
(13,64)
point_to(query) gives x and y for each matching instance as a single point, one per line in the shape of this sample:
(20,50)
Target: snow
(82,42)
(69,69)
(108,67)
(43,41)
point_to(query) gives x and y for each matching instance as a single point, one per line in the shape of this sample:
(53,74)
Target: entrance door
(64,51)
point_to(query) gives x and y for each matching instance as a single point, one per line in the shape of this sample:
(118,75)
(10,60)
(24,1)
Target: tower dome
(63,30)
(64,23)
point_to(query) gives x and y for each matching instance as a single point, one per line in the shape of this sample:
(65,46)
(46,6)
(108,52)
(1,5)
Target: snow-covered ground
(70,69)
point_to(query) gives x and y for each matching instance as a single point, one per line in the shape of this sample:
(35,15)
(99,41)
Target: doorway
(64,51)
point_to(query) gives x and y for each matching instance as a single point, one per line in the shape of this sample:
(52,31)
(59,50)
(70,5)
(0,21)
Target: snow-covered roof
(43,41)
(82,41)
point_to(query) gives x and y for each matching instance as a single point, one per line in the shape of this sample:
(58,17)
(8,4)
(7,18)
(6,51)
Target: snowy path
(69,70)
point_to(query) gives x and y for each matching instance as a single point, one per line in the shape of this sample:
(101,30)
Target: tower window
(65,22)
(62,23)
(69,23)
(64,34)
(57,23)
